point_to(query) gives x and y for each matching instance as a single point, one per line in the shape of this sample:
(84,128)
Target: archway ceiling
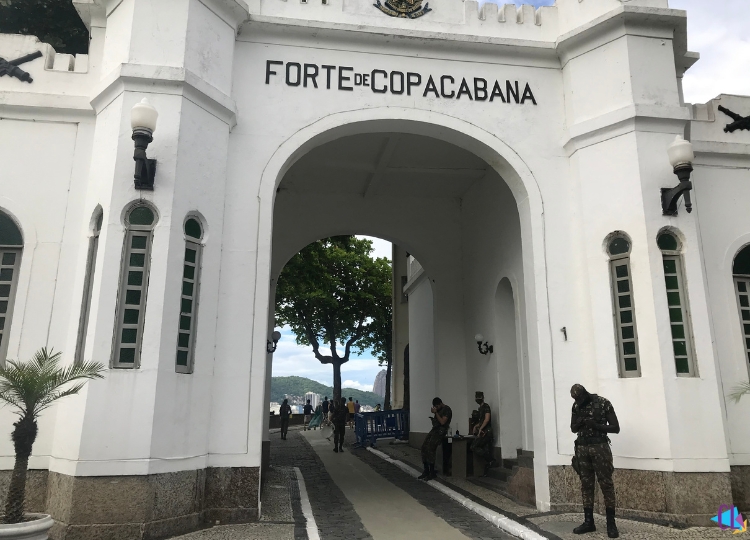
(386,164)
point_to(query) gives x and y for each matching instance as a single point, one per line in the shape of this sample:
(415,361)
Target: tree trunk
(23,436)
(387,399)
(337,381)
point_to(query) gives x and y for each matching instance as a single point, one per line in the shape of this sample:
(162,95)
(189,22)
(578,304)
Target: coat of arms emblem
(410,9)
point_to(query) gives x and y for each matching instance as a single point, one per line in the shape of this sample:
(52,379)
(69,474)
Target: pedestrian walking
(285,412)
(482,445)
(339,425)
(441,423)
(308,412)
(592,418)
(350,408)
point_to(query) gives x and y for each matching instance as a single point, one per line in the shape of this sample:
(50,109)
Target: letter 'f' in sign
(11,68)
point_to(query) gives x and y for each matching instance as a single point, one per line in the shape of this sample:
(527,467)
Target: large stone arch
(511,168)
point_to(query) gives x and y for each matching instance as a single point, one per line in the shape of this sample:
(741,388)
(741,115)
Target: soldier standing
(592,418)
(440,427)
(482,445)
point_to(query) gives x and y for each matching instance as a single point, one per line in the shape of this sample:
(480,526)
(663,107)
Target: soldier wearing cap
(482,445)
(592,418)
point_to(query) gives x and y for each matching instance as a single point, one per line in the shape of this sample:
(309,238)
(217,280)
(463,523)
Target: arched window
(741,271)
(11,245)
(189,296)
(679,315)
(131,305)
(88,283)
(618,248)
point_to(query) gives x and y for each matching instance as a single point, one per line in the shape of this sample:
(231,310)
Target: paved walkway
(359,495)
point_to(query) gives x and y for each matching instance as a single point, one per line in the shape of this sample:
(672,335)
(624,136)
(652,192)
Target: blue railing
(369,427)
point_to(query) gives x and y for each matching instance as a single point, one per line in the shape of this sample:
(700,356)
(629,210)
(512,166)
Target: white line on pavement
(312,527)
(498,520)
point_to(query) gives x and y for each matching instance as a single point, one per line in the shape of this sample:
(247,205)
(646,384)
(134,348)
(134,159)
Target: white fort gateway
(517,155)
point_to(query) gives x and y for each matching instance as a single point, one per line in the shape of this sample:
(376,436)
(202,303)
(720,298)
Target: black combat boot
(588,523)
(425,473)
(432,475)
(612,531)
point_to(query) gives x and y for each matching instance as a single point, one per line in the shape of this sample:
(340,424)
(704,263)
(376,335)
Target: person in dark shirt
(592,418)
(285,412)
(338,418)
(325,407)
(482,445)
(308,412)
(441,423)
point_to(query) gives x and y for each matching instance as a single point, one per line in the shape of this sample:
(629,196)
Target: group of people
(592,419)
(335,413)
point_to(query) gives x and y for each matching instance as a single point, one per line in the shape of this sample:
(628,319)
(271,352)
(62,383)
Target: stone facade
(145,507)
(670,497)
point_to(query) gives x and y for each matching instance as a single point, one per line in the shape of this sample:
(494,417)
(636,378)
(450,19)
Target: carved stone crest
(407,9)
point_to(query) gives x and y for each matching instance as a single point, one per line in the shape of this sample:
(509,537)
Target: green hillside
(299,386)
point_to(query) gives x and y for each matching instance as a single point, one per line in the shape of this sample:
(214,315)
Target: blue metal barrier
(369,427)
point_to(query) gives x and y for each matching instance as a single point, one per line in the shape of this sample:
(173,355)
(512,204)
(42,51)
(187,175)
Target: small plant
(31,387)
(740,391)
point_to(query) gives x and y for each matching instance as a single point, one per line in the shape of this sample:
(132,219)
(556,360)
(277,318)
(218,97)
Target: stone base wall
(36,489)
(668,497)
(740,477)
(142,507)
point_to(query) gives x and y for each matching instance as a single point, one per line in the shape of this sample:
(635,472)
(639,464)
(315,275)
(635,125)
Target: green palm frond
(740,391)
(34,385)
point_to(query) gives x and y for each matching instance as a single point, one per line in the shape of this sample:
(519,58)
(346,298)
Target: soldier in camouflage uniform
(592,418)
(441,424)
(482,445)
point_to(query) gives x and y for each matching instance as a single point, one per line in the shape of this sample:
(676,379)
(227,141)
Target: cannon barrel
(27,58)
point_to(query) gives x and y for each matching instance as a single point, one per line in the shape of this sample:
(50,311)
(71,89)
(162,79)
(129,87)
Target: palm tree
(31,387)
(740,391)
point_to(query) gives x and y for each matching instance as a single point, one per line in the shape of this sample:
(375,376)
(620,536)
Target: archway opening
(456,218)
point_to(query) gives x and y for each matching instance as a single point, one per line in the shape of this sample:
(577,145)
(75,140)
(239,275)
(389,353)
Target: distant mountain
(378,387)
(299,386)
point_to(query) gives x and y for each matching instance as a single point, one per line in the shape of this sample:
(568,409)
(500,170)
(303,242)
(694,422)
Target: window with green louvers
(187,327)
(131,304)
(623,307)
(11,247)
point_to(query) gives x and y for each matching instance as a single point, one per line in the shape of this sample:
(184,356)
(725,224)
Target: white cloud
(356,385)
(380,247)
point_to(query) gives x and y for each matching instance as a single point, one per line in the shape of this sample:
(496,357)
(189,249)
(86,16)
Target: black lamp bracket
(485,348)
(145,168)
(670,197)
(271,346)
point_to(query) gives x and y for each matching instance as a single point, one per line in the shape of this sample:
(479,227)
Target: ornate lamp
(483,346)
(143,118)
(681,157)
(273,343)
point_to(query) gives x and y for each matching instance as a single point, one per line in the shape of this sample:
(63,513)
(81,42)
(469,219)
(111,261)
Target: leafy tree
(330,293)
(53,21)
(31,387)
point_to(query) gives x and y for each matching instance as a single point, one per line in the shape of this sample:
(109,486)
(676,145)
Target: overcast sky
(718,29)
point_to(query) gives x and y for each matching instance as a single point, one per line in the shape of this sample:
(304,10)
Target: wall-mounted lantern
(273,342)
(483,346)
(681,157)
(143,118)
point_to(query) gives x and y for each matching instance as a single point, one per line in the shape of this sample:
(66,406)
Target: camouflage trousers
(482,446)
(432,441)
(595,462)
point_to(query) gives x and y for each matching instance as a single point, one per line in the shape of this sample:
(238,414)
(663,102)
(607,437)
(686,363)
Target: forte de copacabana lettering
(381,81)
